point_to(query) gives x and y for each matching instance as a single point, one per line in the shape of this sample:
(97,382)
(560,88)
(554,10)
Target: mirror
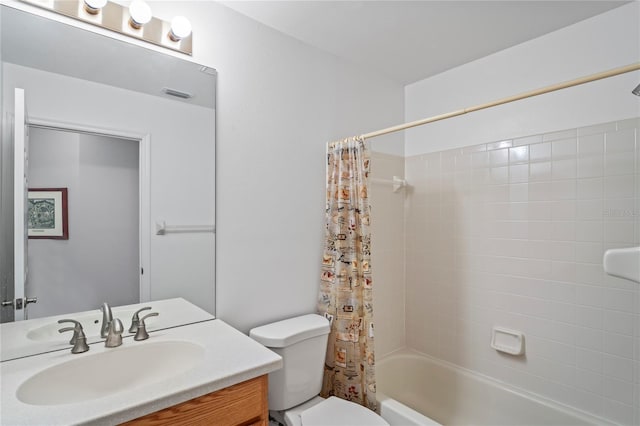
(129,133)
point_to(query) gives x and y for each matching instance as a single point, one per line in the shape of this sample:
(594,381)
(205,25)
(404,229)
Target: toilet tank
(302,344)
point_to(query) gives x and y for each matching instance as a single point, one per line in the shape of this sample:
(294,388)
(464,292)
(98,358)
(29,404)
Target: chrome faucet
(107,317)
(79,339)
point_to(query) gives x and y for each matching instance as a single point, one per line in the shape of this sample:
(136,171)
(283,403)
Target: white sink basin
(91,323)
(89,377)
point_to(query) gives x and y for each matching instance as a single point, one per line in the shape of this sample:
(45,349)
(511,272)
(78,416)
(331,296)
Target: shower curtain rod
(552,88)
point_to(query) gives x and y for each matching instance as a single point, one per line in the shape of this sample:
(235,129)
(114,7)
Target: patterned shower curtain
(346,286)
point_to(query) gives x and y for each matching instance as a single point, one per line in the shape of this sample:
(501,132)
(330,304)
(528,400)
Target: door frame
(144,187)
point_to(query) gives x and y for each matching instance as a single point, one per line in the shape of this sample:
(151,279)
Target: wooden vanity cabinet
(238,405)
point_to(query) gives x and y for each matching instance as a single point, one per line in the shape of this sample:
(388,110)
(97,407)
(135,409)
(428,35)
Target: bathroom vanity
(206,371)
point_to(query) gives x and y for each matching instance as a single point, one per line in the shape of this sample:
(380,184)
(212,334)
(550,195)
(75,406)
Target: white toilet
(294,389)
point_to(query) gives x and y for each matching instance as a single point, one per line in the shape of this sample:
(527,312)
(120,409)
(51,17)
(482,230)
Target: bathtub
(414,389)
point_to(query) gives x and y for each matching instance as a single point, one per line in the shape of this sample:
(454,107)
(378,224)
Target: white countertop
(16,342)
(230,357)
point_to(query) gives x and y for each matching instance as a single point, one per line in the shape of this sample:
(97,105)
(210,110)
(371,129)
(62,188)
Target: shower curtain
(346,285)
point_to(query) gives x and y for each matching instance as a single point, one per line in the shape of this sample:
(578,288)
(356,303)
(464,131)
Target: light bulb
(140,13)
(93,6)
(180,28)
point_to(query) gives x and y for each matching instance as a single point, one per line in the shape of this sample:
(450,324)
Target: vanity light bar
(115,17)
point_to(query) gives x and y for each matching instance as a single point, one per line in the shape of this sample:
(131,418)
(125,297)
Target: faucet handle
(114,336)
(142,334)
(79,339)
(135,320)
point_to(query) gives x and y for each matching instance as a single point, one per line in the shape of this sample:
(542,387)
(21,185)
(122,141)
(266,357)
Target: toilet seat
(338,412)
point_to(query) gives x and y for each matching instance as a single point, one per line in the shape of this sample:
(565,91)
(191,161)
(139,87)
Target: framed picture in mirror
(48,214)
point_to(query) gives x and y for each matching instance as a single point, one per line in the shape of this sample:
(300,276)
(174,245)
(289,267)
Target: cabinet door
(241,404)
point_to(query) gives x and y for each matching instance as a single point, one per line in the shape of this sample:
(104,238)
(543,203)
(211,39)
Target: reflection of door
(100,260)
(21,159)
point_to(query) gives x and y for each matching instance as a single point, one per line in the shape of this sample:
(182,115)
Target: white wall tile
(564,189)
(619,232)
(591,144)
(499,157)
(528,140)
(618,412)
(589,252)
(566,148)
(619,300)
(499,145)
(589,381)
(590,166)
(564,230)
(539,191)
(619,322)
(519,192)
(589,231)
(590,209)
(619,163)
(539,221)
(618,390)
(618,345)
(499,175)
(519,154)
(480,159)
(563,271)
(563,210)
(540,152)
(519,173)
(589,316)
(590,360)
(563,134)
(564,169)
(587,189)
(598,130)
(621,186)
(620,141)
(540,171)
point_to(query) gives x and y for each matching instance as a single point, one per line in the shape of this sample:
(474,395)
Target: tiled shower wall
(388,255)
(512,234)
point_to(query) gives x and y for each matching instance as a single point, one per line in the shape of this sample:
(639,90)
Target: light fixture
(140,14)
(93,7)
(180,28)
(134,20)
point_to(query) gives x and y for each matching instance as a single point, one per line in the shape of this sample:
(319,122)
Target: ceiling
(412,40)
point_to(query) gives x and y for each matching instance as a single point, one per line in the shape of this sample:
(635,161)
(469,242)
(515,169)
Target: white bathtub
(414,389)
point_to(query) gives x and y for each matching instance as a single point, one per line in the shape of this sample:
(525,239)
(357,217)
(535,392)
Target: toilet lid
(338,412)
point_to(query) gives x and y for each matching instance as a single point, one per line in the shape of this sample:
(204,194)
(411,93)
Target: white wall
(100,260)
(182,167)
(601,43)
(279,102)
